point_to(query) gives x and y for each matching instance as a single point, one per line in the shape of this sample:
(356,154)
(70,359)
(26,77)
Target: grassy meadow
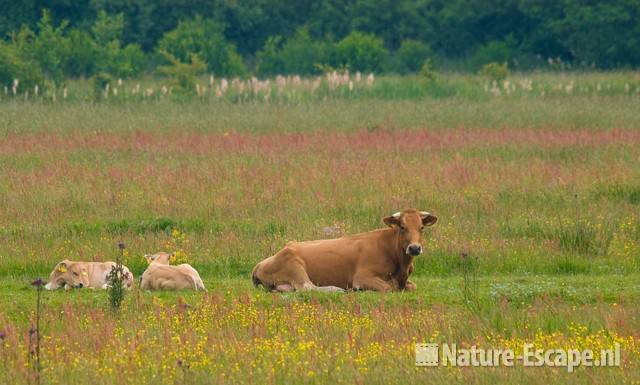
(535,180)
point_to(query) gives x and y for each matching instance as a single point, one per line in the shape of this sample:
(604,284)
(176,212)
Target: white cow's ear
(428,219)
(392,220)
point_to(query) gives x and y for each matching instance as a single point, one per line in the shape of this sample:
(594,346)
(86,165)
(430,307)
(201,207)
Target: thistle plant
(115,281)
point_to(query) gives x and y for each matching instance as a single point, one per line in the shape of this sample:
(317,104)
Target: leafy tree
(81,56)
(107,28)
(467,32)
(606,34)
(110,56)
(14,65)
(300,55)
(204,39)
(361,52)
(49,47)
(269,59)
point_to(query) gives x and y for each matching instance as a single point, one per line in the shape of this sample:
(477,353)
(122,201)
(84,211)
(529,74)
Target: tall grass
(508,194)
(292,90)
(309,339)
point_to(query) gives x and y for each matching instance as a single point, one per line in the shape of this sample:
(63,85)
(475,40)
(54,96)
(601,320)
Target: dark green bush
(49,47)
(81,57)
(110,56)
(299,55)
(412,55)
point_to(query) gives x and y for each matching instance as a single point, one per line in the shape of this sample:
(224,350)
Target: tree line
(54,39)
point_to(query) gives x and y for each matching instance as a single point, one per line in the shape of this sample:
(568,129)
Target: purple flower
(38,282)
(121,245)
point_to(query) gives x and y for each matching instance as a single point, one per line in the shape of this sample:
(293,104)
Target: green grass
(591,112)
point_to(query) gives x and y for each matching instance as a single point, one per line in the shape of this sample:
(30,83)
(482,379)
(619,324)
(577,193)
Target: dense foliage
(237,37)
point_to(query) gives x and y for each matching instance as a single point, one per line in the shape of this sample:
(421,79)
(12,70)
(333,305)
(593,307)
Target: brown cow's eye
(402,228)
(74,273)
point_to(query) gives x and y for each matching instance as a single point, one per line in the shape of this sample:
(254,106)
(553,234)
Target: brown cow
(379,260)
(160,275)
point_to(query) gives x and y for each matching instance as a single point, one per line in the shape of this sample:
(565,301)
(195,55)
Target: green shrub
(496,51)
(427,70)
(13,65)
(203,38)
(495,71)
(412,55)
(99,83)
(361,52)
(123,62)
(183,75)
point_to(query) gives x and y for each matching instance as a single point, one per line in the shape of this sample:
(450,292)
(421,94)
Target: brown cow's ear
(428,219)
(392,220)
(62,266)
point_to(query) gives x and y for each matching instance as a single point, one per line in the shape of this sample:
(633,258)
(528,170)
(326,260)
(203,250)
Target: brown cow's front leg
(285,287)
(401,281)
(410,286)
(397,285)
(371,283)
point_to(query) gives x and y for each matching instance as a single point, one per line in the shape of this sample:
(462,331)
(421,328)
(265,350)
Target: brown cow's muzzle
(414,249)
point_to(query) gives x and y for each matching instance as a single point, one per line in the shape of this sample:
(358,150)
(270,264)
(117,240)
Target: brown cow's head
(68,274)
(410,224)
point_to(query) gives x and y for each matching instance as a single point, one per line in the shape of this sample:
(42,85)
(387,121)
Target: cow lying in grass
(162,276)
(379,260)
(76,274)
